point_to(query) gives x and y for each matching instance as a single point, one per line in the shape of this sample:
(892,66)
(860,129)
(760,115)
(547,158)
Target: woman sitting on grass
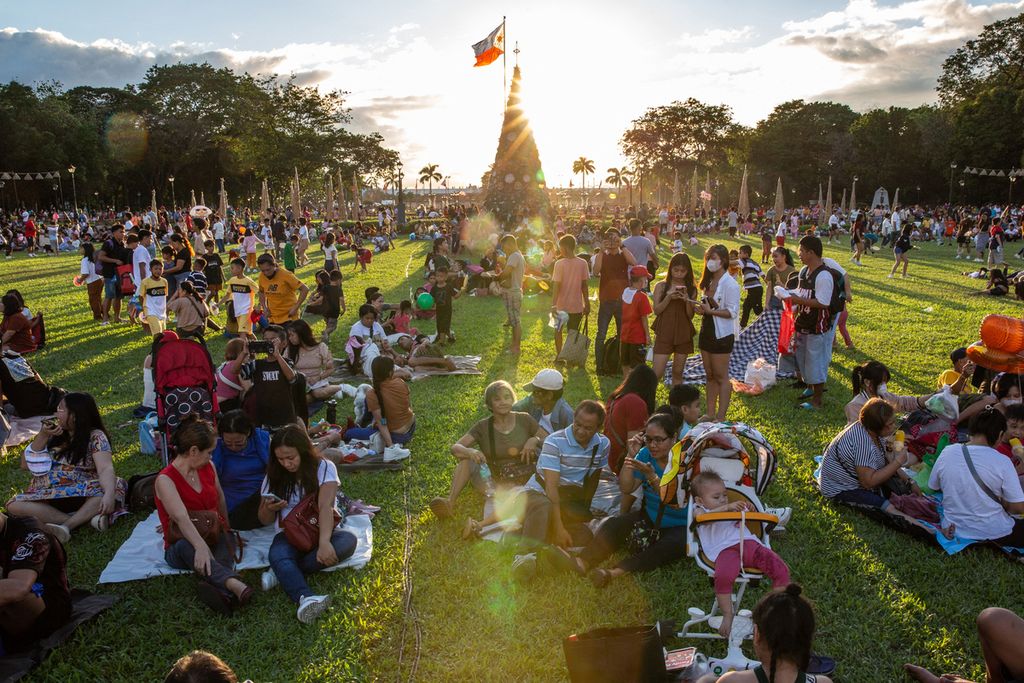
(187,486)
(783,636)
(388,408)
(858,465)
(869,381)
(73,480)
(312,358)
(294,473)
(240,457)
(506,443)
(646,460)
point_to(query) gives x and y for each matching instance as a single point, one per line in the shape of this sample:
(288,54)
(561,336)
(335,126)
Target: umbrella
(222,208)
(779,203)
(693,191)
(194,202)
(842,202)
(820,205)
(264,199)
(296,200)
(329,213)
(744,205)
(675,188)
(896,199)
(853,196)
(828,200)
(153,201)
(202,198)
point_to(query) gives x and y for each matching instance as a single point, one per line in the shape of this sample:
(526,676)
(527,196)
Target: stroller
(746,462)
(184,380)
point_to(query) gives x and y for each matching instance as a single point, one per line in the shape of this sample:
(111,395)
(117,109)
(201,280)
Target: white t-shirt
(88,271)
(326,473)
(140,255)
(718,536)
(304,233)
(975,515)
(52,232)
(781,232)
(218,230)
(360,330)
(331,253)
(833,221)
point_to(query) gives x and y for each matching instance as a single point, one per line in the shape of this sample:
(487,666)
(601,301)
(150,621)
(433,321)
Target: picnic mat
(142,555)
(24,429)
(759,340)
(84,607)
(464,365)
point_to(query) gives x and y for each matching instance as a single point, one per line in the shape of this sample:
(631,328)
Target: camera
(264,347)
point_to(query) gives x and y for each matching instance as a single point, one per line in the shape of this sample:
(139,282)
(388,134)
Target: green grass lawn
(882,599)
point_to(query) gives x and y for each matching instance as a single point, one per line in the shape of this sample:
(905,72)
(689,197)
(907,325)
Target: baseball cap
(640,271)
(549,380)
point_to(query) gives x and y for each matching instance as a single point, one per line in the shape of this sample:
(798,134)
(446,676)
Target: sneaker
(890,275)
(60,532)
(311,607)
(268,580)
(100,522)
(395,453)
(784,515)
(214,598)
(524,567)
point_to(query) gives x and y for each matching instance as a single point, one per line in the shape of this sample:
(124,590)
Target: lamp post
(174,202)
(56,197)
(962,183)
(1013,179)
(400,209)
(74,190)
(918,195)
(952,167)
(2,183)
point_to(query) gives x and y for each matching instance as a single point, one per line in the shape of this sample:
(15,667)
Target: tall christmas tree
(515,187)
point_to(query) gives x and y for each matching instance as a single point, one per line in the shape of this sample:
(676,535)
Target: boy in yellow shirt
(153,298)
(241,291)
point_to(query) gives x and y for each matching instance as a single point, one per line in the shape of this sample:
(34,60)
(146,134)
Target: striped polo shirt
(573,462)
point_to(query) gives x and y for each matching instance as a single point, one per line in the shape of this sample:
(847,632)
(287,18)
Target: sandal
(561,561)
(599,577)
(100,522)
(441,508)
(471,530)
(806,406)
(214,598)
(246,597)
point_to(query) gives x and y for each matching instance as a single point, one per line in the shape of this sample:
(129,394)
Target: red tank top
(204,499)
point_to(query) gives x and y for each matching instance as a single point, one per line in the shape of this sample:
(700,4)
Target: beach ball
(425,301)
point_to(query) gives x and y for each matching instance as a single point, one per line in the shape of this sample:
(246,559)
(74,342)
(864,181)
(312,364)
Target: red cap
(640,271)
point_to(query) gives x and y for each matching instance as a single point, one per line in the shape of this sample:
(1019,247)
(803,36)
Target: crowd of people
(535,460)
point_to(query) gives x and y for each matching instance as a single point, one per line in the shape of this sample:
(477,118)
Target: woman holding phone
(673,324)
(719,311)
(296,471)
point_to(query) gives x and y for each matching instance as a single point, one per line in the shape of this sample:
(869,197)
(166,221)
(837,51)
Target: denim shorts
(813,355)
(112,287)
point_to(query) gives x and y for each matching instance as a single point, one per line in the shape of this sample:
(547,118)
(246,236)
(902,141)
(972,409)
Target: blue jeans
(220,245)
(366,433)
(291,566)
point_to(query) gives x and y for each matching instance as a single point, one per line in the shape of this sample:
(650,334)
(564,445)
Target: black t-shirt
(332,301)
(213,271)
(183,255)
(443,294)
(269,402)
(277,230)
(23,545)
(114,250)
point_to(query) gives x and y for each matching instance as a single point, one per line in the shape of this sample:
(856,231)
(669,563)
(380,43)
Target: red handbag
(302,525)
(127,284)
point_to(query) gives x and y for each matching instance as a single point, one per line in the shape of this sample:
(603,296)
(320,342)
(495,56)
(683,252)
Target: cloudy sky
(589,66)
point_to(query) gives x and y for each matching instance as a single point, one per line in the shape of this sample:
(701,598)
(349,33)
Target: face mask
(882,388)
(1011,401)
(714,265)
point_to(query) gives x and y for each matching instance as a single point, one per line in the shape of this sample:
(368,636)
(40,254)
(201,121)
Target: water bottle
(485,474)
(332,412)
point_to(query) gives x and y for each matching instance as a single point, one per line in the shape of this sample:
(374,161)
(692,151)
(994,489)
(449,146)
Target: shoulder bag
(574,501)
(302,525)
(574,350)
(974,473)
(210,527)
(515,471)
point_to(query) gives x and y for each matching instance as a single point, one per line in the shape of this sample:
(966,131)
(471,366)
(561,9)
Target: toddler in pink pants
(721,543)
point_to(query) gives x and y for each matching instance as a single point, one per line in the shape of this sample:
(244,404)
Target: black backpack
(612,363)
(837,304)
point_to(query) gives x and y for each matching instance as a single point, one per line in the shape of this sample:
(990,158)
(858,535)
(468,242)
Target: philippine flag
(491,47)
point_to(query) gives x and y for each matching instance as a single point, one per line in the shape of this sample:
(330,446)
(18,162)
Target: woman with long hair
(295,472)
(674,310)
(629,405)
(312,358)
(719,309)
(92,280)
(778,275)
(189,486)
(388,411)
(857,240)
(72,465)
(190,311)
(16,328)
(901,250)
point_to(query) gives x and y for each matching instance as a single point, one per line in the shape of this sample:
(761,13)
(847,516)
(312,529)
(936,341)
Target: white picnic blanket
(142,555)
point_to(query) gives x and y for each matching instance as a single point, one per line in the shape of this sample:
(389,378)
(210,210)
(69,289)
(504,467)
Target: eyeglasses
(655,439)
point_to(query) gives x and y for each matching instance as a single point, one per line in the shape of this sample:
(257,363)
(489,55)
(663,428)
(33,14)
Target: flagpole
(504,63)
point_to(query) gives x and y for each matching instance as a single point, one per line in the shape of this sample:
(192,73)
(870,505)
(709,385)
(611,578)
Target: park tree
(994,59)
(680,136)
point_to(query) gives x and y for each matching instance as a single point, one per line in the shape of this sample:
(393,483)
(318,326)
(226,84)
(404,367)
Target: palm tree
(616,178)
(627,180)
(583,166)
(429,174)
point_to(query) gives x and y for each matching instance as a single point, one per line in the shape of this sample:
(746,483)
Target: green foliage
(191,121)
(514,187)
(994,58)
(679,136)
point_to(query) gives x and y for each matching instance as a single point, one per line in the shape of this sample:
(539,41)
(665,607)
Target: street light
(74,190)
(174,202)
(952,167)
(400,209)
(1013,179)
(962,183)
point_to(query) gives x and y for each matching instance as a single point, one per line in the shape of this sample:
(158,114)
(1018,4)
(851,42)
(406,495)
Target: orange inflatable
(995,359)
(1003,333)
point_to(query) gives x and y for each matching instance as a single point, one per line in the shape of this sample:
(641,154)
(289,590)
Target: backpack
(837,304)
(126,283)
(612,363)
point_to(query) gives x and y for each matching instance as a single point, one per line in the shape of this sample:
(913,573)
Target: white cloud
(407,26)
(713,38)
